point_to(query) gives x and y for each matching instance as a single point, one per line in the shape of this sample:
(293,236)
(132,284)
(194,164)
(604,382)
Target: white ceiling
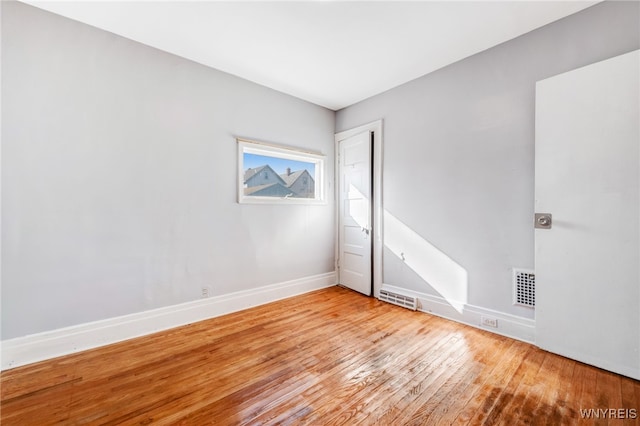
(331,53)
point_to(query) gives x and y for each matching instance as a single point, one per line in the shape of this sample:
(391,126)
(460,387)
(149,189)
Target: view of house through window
(278,173)
(277,177)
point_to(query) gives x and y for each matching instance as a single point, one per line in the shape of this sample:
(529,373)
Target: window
(275,174)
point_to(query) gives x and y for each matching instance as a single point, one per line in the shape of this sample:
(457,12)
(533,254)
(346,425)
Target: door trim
(376,191)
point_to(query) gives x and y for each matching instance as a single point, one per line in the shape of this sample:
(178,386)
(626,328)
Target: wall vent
(524,288)
(409,302)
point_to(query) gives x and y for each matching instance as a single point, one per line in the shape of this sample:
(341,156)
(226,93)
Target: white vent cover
(524,288)
(399,299)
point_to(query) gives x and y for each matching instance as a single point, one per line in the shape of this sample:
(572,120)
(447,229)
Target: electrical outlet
(489,322)
(205,292)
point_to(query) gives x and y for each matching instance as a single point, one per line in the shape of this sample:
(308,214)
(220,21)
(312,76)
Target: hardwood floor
(325,358)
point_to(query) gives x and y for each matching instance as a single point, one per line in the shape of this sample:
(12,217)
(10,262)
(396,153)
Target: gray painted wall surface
(459,150)
(119,178)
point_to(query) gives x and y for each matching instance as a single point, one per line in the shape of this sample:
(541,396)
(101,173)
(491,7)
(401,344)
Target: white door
(354,212)
(587,175)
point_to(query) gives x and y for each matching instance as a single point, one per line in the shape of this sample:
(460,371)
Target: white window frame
(270,150)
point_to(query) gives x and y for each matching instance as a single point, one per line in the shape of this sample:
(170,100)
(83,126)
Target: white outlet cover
(489,322)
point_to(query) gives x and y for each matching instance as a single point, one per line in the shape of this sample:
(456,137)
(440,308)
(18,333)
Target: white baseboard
(38,347)
(508,325)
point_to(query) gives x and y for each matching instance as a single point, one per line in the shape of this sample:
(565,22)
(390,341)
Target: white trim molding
(42,346)
(508,325)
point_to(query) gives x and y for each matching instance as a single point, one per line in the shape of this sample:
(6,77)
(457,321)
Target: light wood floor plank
(331,357)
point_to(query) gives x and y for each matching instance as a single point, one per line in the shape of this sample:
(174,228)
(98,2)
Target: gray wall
(119,178)
(459,152)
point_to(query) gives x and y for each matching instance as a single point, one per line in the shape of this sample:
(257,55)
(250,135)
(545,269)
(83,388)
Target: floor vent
(524,288)
(399,299)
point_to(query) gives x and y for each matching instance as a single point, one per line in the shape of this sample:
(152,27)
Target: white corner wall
(119,179)
(458,172)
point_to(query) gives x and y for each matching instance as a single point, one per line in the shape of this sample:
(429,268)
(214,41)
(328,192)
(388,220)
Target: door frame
(376,192)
